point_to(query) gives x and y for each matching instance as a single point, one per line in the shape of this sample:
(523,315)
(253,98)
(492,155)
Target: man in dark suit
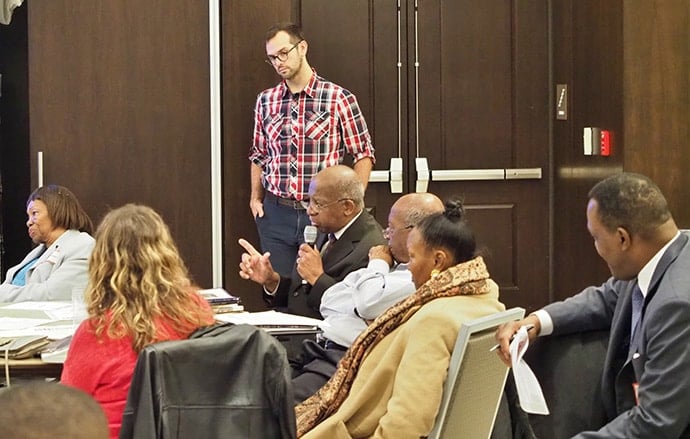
(346,233)
(645,382)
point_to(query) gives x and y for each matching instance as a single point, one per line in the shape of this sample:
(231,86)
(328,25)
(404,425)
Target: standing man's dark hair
(301,126)
(292,29)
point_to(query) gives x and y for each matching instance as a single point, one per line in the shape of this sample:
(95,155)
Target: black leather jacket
(226,381)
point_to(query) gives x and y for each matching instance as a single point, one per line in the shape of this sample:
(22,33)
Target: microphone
(310,233)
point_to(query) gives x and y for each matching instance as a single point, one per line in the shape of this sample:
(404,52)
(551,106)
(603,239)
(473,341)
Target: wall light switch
(561,102)
(587,140)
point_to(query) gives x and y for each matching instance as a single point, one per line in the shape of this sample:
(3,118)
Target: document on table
(528,388)
(52,319)
(269,319)
(58,310)
(17,324)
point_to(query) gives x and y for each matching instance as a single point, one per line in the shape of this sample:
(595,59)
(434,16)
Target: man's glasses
(390,231)
(316,207)
(281,56)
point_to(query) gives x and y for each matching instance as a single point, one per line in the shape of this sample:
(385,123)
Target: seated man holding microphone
(346,233)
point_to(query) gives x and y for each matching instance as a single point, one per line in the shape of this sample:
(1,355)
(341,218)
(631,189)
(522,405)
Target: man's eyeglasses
(390,231)
(316,207)
(281,56)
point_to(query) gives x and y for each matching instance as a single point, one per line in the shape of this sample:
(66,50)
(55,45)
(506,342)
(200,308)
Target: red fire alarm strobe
(605,142)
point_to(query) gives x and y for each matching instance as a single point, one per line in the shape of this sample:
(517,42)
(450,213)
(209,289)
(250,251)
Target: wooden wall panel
(119,104)
(656,82)
(587,56)
(626,63)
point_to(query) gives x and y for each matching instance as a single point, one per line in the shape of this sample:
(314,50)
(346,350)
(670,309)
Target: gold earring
(435,272)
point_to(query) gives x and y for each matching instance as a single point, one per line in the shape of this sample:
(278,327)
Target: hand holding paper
(528,388)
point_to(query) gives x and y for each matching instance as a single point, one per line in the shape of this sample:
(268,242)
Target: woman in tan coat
(389,384)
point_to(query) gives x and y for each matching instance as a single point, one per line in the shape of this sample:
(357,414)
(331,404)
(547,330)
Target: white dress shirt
(644,277)
(362,295)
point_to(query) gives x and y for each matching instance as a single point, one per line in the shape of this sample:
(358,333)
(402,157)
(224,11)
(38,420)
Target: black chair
(569,369)
(225,381)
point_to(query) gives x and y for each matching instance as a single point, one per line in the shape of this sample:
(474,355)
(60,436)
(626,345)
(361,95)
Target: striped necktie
(637,305)
(328,244)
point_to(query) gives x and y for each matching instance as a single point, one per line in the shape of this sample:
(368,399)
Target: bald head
(336,196)
(406,213)
(414,207)
(340,181)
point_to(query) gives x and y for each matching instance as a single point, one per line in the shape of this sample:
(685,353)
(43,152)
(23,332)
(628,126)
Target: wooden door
(119,107)
(480,95)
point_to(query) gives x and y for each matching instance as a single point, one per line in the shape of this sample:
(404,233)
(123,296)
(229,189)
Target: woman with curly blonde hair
(139,293)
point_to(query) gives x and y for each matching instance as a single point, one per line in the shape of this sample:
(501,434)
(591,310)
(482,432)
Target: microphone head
(310,233)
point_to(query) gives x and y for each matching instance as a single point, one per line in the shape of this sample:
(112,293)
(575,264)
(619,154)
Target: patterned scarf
(467,278)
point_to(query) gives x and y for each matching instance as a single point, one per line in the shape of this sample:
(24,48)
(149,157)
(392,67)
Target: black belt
(291,202)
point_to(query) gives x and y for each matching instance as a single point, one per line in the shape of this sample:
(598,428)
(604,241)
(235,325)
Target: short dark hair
(631,201)
(63,208)
(449,230)
(292,29)
(43,410)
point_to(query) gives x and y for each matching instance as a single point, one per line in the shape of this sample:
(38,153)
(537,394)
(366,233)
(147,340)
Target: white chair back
(476,377)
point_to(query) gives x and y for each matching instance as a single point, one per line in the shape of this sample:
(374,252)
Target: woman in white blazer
(62,231)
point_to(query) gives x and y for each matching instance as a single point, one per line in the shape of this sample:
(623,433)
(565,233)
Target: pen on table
(529,328)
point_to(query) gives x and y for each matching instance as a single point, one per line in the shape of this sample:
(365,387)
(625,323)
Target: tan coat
(399,386)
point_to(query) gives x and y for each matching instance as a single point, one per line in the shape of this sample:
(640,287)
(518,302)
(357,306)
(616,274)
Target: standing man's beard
(292,73)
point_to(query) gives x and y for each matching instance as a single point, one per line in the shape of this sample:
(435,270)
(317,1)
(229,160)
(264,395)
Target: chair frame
(454,384)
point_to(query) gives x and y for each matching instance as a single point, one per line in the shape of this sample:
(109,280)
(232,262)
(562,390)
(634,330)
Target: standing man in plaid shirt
(302,125)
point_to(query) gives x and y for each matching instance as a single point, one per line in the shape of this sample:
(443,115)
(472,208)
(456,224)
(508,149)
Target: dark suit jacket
(661,348)
(349,253)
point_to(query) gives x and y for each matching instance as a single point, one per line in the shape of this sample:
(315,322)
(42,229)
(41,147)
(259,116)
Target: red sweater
(104,367)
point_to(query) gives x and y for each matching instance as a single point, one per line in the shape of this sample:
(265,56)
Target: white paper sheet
(269,318)
(14,324)
(528,388)
(39,306)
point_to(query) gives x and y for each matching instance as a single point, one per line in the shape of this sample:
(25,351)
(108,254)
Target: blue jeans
(281,231)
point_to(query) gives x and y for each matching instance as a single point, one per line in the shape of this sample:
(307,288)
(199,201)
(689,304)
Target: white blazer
(61,267)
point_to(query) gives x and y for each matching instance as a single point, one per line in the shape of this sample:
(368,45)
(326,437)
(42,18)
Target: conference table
(55,321)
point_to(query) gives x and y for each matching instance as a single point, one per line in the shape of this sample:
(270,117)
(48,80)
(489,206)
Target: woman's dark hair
(63,208)
(449,230)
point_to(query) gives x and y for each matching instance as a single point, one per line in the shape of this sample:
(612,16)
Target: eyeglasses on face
(281,56)
(316,207)
(390,231)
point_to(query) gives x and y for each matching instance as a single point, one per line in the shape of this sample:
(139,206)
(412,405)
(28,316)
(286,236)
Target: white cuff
(545,322)
(271,293)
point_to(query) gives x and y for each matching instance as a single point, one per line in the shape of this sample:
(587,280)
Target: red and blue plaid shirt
(297,135)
